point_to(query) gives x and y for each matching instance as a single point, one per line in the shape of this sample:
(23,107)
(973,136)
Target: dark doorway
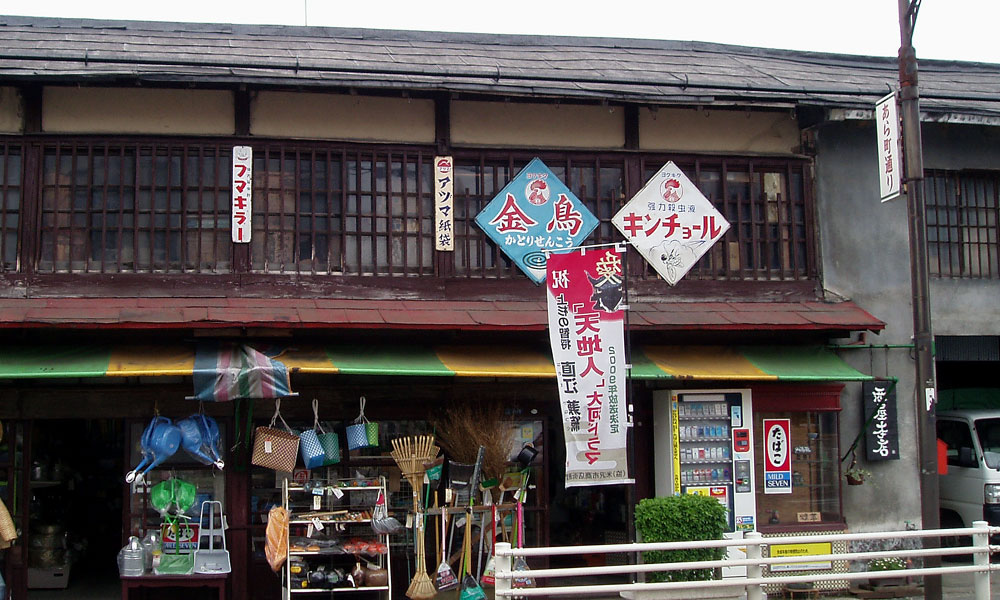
(75,510)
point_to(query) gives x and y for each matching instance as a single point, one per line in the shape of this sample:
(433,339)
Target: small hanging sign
(881,430)
(241,207)
(444,204)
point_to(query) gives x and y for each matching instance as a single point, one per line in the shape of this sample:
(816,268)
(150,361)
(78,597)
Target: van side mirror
(967,458)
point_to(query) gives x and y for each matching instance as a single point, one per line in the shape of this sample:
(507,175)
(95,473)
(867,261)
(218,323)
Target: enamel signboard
(534,213)
(777,458)
(671,223)
(242,195)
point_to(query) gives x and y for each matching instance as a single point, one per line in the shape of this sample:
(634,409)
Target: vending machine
(704,445)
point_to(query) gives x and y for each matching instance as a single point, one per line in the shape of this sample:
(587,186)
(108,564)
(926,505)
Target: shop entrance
(75,508)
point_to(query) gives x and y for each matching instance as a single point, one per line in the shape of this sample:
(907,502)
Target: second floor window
(962,209)
(135,209)
(10,205)
(162,206)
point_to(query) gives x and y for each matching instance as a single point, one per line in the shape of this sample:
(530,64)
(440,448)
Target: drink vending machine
(711,454)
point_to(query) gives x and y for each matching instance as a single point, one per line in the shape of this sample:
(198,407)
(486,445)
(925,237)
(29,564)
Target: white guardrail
(754,582)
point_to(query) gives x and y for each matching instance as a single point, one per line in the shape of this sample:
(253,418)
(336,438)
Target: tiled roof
(307,313)
(660,72)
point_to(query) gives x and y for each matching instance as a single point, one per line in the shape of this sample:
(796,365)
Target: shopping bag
(331,447)
(371,433)
(330,441)
(313,455)
(275,448)
(357,432)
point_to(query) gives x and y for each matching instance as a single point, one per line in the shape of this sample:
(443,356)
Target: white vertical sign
(890,167)
(444,219)
(242,193)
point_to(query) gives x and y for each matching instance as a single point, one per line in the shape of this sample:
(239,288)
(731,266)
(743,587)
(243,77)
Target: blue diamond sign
(533,213)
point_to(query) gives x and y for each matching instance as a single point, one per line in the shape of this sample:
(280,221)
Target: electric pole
(925,386)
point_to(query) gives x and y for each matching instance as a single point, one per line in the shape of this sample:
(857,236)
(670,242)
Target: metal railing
(754,582)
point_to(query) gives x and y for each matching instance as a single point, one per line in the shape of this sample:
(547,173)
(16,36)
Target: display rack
(705,439)
(343,506)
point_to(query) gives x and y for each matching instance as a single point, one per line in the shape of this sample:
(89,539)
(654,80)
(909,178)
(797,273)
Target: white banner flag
(587,333)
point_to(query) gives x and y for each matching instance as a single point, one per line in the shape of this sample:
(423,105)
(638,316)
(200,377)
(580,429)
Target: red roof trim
(211,313)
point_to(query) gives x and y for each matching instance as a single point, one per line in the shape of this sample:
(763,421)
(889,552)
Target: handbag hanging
(313,455)
(275,448)
(358,432)
(330,441)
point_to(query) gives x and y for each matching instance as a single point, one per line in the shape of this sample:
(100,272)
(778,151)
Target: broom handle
(482,535)
(444,529)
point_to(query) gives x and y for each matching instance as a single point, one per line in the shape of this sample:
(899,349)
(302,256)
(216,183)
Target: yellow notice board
(803,550)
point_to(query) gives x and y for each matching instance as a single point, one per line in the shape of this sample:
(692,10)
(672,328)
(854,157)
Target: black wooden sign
(881,430)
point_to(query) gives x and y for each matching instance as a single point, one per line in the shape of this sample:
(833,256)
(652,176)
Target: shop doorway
(75,509)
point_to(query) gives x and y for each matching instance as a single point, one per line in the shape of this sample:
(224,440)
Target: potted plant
(886,564)
(856,475)
(676,519)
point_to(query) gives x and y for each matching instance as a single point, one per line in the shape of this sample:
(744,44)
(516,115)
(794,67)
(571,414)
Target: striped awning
(699,363)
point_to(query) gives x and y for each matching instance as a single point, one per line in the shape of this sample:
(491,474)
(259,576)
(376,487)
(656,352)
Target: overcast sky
(946,29)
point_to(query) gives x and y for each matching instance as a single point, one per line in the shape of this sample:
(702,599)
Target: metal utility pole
(923,338)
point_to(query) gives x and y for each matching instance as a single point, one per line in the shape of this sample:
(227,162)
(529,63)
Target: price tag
(317,502)
(409,521)
(337,493)
(267,447)
(317,524)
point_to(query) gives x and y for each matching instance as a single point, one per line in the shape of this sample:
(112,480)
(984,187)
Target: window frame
(604,180)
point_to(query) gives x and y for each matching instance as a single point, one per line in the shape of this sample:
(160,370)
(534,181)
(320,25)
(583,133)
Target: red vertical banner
(586,295)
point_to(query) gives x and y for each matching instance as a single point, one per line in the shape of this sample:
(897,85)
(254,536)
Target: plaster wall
(956,147)
(864,247)
(137,110)
(714,130)
(342,117)
(11,112)
(537,125)
(865,257)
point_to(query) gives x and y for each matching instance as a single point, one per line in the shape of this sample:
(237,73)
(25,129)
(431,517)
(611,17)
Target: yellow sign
(676,435)
(804,550)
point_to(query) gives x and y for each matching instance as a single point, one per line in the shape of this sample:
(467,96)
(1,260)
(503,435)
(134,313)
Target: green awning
(696,363)
(742,363)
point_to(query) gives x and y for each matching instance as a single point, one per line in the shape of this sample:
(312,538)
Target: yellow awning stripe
(705,362)
(495,361)
(141,361)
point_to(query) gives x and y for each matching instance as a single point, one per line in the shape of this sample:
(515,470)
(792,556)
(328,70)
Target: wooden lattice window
(962,210)
(134,208)
(10,205)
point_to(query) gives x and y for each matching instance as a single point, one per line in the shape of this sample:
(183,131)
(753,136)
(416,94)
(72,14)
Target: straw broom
(410,454)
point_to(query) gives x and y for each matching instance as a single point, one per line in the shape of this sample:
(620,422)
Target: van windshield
(989,438)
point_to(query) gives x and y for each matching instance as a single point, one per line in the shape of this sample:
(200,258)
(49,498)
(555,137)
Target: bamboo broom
(410,454)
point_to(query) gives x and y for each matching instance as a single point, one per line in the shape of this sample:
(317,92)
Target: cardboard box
(51,578)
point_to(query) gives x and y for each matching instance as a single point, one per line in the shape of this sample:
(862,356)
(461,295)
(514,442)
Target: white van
(971,489)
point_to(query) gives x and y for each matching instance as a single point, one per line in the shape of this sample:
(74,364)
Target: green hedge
(679,519)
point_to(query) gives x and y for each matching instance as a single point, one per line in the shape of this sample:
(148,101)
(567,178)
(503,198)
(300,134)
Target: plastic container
(132,559)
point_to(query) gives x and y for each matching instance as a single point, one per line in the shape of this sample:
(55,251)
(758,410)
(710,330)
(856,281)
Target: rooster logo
(671,190)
